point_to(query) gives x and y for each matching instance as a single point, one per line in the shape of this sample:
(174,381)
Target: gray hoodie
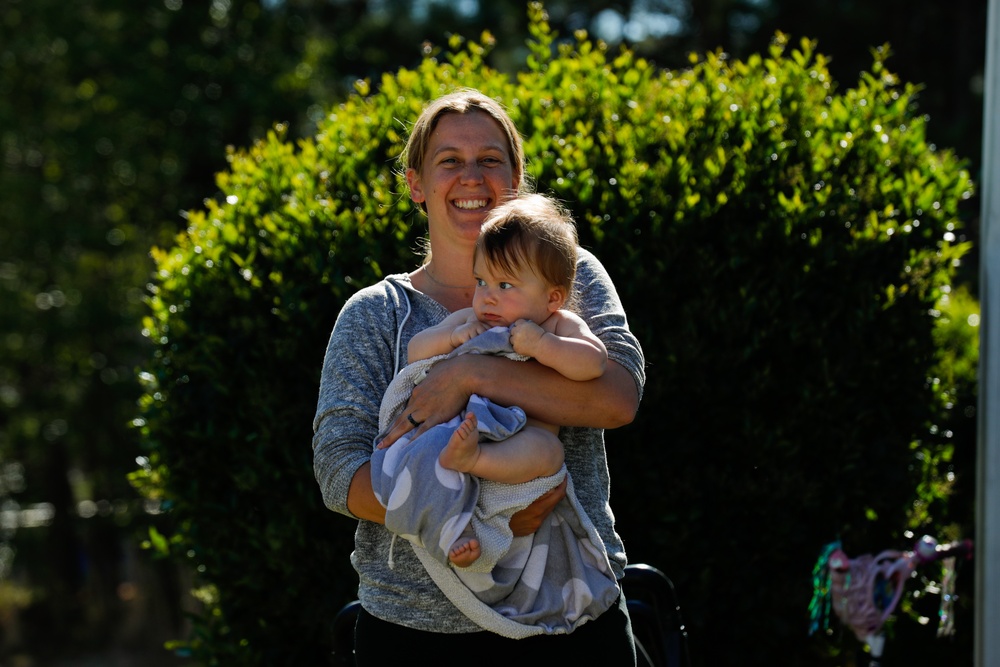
(367,347)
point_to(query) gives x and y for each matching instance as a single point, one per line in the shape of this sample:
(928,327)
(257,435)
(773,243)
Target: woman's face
(467,171)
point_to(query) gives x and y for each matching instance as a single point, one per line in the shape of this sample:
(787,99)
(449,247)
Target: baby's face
(503,297)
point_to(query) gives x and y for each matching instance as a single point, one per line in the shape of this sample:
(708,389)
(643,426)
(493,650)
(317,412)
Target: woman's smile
(470,204)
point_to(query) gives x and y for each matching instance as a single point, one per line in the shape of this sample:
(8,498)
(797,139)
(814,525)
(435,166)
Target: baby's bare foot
(464,552)
(462,450)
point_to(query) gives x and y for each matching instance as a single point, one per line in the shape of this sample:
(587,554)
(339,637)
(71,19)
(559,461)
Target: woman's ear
(416,189)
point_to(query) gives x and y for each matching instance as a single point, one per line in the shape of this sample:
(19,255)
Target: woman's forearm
(361,500)
(362,503)
(609,401)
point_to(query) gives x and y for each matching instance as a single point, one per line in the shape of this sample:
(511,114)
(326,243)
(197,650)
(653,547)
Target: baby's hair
(532,231)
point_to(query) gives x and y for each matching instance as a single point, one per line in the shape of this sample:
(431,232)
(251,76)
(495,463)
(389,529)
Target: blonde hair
(534,231)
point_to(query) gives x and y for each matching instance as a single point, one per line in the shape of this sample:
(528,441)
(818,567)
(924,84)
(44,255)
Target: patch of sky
(648,19)
(420,9)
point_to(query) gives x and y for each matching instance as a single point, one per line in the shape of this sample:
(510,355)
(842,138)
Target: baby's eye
(505,285)
(480,282)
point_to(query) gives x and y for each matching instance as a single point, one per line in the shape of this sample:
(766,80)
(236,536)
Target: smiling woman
(463,160)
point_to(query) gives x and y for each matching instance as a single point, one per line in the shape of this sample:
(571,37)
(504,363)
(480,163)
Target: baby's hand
(466,332)
(524,337)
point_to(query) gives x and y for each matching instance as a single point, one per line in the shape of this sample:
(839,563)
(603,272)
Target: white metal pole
(987,637)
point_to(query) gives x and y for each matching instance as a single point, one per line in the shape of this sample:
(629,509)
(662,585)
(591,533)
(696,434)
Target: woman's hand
(528,520)
(436,399)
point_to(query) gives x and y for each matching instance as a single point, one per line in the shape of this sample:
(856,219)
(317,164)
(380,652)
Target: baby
(524,266)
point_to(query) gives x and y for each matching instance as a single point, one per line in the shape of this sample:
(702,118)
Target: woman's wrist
(467,373)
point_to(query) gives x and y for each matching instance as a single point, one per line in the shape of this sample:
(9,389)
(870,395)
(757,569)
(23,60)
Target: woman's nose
(472,172)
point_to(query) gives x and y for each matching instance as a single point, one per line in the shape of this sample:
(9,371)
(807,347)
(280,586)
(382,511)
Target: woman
(464,157)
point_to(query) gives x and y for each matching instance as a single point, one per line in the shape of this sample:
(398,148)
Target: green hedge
(782,248)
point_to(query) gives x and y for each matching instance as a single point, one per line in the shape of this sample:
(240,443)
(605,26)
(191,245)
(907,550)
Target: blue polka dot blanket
(547,583)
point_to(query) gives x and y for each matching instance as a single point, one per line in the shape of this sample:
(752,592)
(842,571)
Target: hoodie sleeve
(597,302)
(357,368)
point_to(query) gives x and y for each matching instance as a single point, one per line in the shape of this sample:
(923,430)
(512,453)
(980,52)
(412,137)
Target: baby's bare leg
(462,450)
(531,452)
(465,550)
